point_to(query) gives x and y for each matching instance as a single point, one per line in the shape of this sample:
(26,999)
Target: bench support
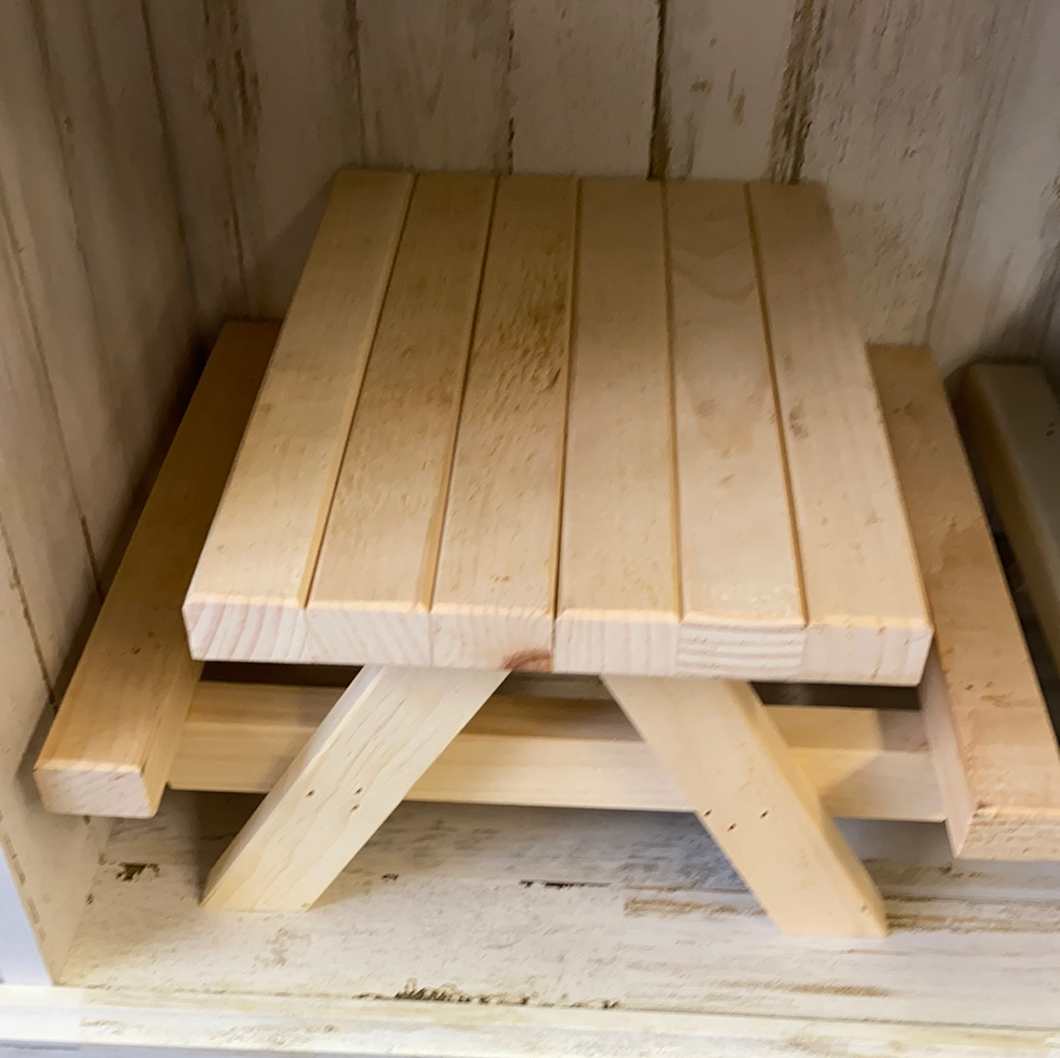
(379,738)
(720,745)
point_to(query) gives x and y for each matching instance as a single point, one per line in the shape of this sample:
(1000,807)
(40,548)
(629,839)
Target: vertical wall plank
(1002,281)
(582,85)
(724,65)
(261,100)
(905,93)
(434,83)
(46,862)
(102,88)
(51,339)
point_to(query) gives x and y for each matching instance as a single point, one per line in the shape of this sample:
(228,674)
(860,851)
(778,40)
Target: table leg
(382,734)
(726,754)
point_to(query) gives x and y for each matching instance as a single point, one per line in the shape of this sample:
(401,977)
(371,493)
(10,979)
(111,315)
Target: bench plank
(865,602)
(111,746)
(372,590)
(993,744)
(246,598)
(494,598)
(619,600)
(864,763)
(743,610)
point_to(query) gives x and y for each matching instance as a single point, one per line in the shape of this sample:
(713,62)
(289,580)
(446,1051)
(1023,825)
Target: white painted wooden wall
(163,164)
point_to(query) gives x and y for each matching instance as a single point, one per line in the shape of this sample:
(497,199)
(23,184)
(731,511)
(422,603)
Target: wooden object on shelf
(567,543)
(991,737)
(864,763)
(756,801)
(116,733)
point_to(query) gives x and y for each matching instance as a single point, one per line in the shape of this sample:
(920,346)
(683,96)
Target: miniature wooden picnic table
(604,426)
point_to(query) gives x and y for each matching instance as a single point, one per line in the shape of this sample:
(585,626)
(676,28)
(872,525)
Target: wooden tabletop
(605,426)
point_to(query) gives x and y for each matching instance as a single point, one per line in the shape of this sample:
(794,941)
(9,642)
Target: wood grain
(381,544)
(619,598)
(264,542)
(756,802)
(864,598)
(581,84)
(115,736)
(994,747)
(378,738)
(493,602)
(433,77)
(864,763)
(743,605)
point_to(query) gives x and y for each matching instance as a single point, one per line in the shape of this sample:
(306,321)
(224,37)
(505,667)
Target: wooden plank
(864,598)
(47,864)
(994,747)
(373,583)
(756,802)
(42,516)
(901,102)
(141,333)
(434,83)
(111,746)
(1000,285)
(864,763)
(264,542)
(378,738)
(619,600)
(495,592)
(724,69)
(743,609)
(262,106)
(1010,416)
(582,83)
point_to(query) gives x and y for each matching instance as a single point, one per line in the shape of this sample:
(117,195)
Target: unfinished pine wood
(115,736)
(494,598)
(992,741)
(619,600)
(376,741)
(756,802)
(373,584)
(259,558)
(864,598)
(1011,415)
(580,753)
(743,610)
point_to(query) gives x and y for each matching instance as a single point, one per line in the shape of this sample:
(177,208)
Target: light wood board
(114,739)
(994,746)
(864,763)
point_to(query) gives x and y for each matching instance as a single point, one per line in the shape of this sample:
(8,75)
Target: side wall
(929,121)
(96,330)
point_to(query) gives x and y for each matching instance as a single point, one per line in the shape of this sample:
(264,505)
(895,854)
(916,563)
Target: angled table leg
(726,754)
(379,738)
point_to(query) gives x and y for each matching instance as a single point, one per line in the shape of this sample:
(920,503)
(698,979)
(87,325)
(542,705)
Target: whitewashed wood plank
(57,294)
(262,103)
(582,84)
(49,861)
(904,94)
(434,83)
(129,236)
(723,72)
(999,292)
(584,909)
(41,513)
